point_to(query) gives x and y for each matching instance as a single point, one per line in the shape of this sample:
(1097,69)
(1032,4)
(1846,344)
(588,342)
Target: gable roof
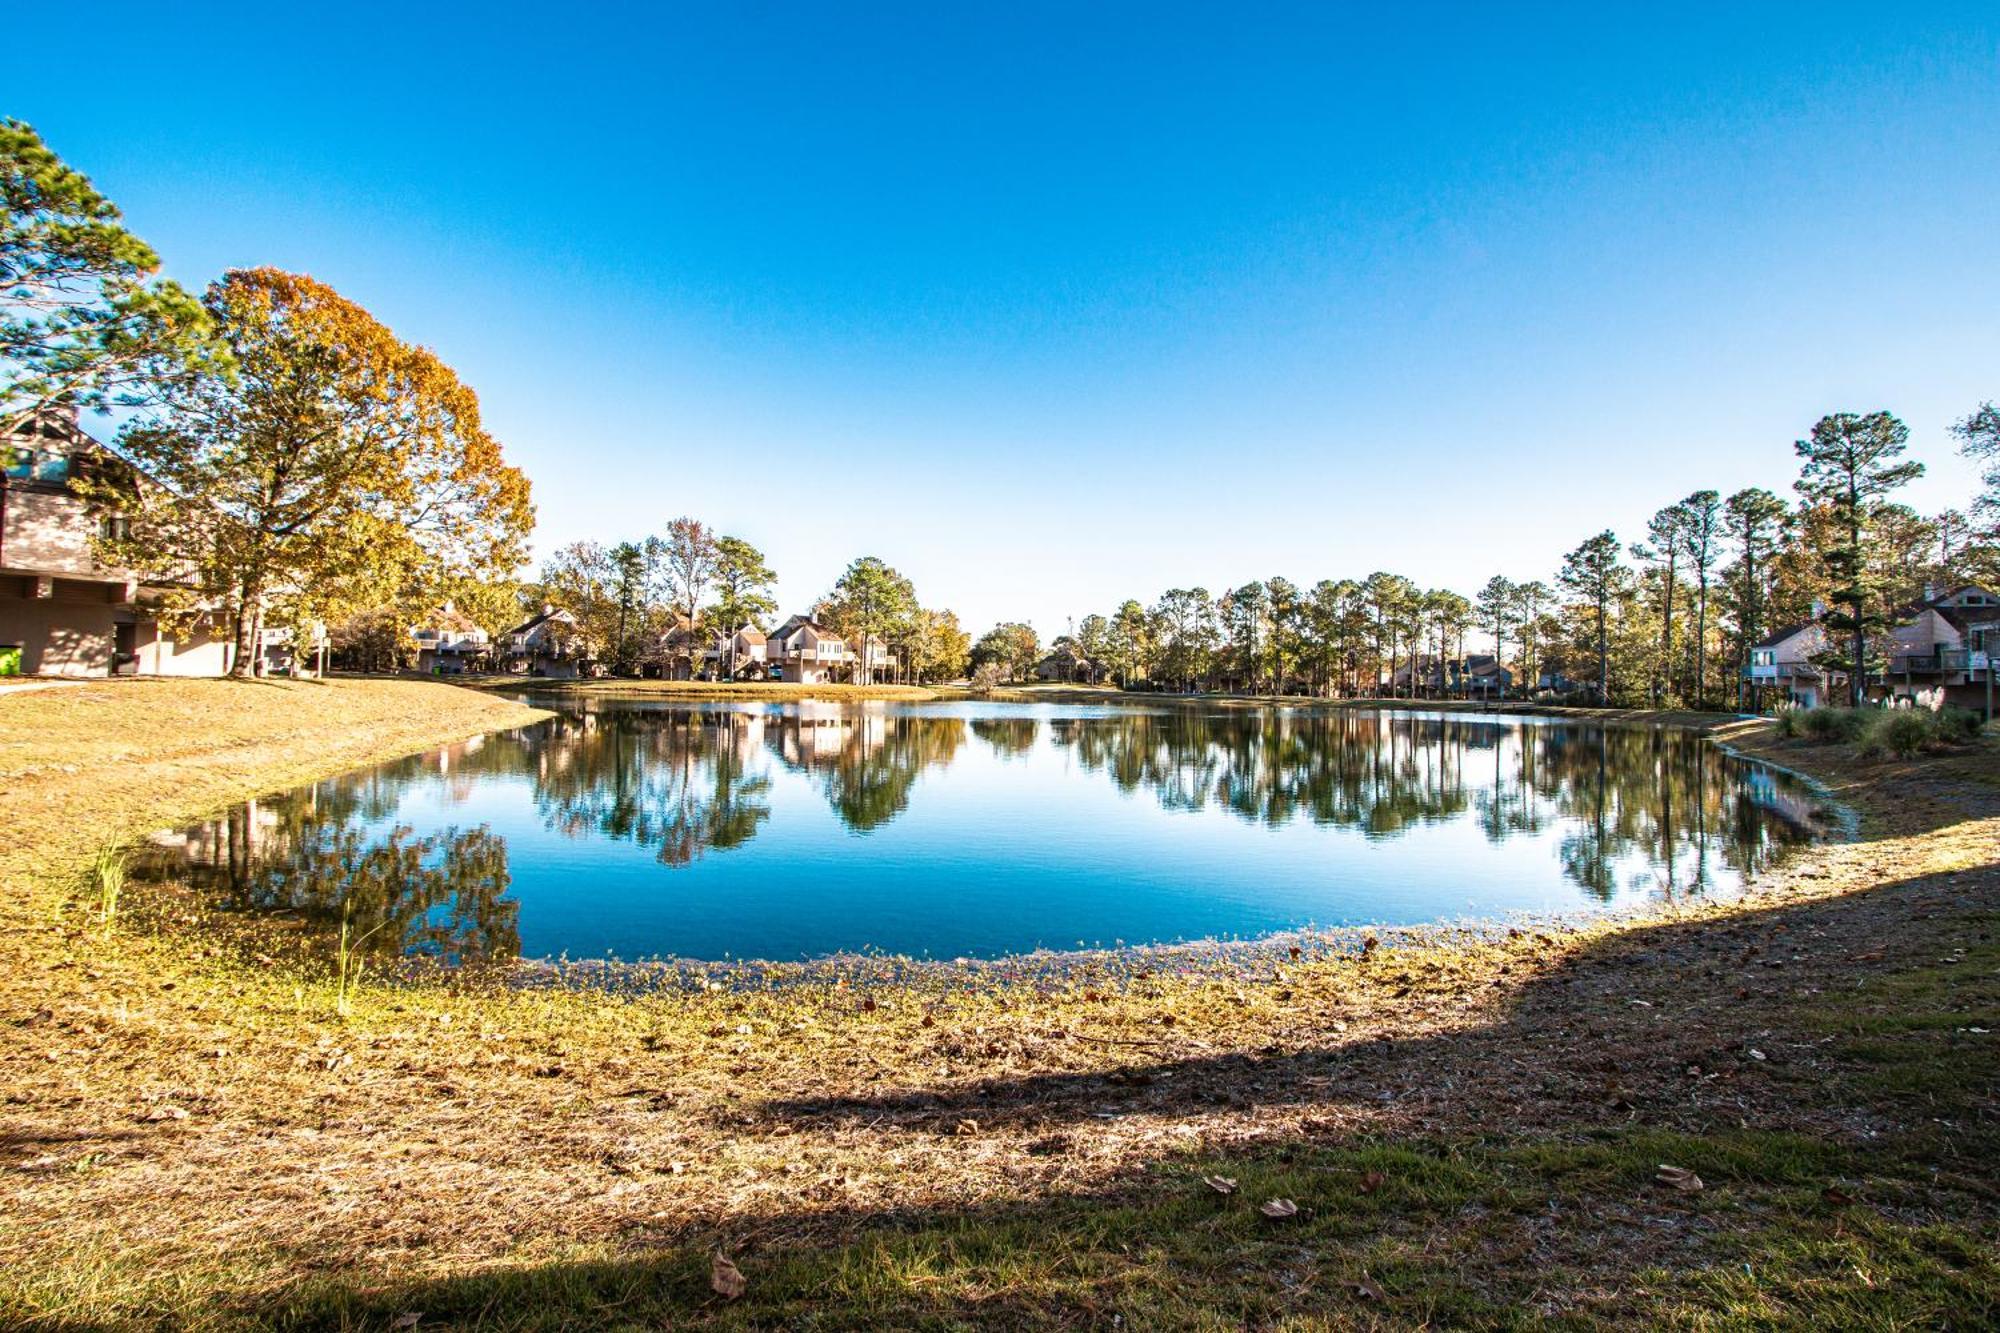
(531,625)
(1776,637)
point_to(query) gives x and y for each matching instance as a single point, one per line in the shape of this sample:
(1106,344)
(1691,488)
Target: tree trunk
(1603,657)
(1701,644)
(249,624)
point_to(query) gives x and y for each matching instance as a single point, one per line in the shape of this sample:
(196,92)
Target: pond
(641,829)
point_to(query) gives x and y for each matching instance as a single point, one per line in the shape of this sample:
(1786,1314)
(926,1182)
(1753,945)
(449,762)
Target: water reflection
(316,856)
(680,783)
(1610,811)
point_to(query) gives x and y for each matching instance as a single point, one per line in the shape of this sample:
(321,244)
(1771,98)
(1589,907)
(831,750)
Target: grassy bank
(1466,1133)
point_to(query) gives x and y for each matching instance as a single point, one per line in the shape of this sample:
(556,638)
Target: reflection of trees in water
(1010,737)
(1665,801)
(673,781)
(1334,769)
(1660,810)
(321,854)
(865,761)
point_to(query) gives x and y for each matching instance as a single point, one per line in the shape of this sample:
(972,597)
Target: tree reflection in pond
(1669,796)
(674,781)
(865,760)
(1059,824)
(324,856)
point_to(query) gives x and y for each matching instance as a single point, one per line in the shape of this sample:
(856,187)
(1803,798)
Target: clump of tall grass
(348,961)
(107,883)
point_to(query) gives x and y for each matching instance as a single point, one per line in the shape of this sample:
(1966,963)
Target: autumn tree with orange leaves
(333,467)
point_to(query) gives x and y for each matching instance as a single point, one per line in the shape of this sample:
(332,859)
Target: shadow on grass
(1498,1176)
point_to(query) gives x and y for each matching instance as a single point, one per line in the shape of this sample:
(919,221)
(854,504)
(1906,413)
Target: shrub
(1900,731)
(1789,722)
(1959,725)
(1834,724)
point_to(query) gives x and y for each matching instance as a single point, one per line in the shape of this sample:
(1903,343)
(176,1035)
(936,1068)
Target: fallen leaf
(407,1319)
(1220,1184)
(1836,1196)
(1279,1208)
(966,1128)
(1367,1290)
(1678,1178)
(1372,1181)
(725,1278)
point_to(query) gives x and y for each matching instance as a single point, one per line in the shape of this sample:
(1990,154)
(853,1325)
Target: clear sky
(1053,305)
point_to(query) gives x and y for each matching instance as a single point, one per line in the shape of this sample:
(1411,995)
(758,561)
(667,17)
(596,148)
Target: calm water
(645,830)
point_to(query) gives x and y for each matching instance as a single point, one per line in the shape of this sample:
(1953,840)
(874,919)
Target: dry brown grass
(195,1141)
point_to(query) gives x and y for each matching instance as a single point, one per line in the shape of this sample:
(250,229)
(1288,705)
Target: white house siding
(202,653)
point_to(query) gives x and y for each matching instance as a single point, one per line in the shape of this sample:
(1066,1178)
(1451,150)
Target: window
(114,527)
(27,464)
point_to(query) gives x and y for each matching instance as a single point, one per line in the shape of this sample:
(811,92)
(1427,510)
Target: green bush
(1788,722)
(1959,725)
(1835,724)
(1900,731)
(1905,731)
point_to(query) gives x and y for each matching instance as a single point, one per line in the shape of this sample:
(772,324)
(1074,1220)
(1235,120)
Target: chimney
(1932,592)
(548,608)
(1819,608)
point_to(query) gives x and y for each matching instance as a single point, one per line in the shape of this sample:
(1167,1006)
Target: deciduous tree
(688,559)
(332,466)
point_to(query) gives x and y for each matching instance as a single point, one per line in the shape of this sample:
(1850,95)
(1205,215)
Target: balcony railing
(1931,663)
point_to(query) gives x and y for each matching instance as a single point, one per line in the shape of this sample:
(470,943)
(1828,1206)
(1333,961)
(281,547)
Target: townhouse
(1940,651)
(63,612)
(806,652)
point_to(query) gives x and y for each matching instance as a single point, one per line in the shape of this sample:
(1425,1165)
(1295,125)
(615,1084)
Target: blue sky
(1053,305)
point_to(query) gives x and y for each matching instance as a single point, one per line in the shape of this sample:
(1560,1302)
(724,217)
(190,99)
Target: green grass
(1447,1239)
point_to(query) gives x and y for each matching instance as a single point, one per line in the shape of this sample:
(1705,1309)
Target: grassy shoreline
(1469,1130)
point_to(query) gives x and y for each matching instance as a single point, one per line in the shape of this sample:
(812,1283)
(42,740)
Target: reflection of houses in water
(818,732)
(251,830)
(1786,798)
